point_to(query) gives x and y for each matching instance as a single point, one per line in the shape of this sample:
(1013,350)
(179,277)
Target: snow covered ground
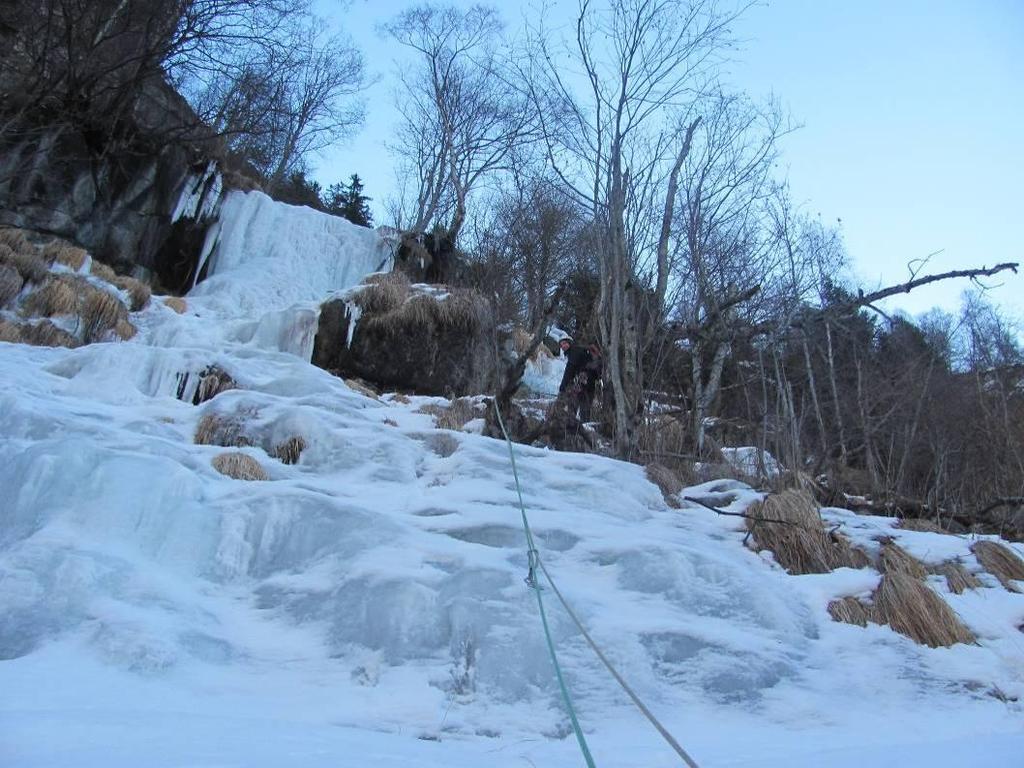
(366,606)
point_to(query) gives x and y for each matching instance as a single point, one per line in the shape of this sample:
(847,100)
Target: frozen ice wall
(263,256)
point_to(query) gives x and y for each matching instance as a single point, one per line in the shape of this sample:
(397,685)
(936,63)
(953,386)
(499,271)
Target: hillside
(365,604)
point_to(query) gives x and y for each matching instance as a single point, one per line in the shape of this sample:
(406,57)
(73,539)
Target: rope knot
(533,560)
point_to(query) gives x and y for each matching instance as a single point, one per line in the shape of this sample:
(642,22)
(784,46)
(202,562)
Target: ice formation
(366,605)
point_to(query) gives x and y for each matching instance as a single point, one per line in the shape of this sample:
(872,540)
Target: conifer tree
(348,201)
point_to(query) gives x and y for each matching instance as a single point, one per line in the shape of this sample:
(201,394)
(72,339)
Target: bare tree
(461,116)
(735,266)
(619,141)
(260,74)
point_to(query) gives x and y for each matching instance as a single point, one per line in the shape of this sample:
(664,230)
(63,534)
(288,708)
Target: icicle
(353,312)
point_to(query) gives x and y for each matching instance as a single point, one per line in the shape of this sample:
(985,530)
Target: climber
(582,371)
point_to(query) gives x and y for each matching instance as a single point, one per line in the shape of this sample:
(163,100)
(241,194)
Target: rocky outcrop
(122,206)
(429,258)
(416,338)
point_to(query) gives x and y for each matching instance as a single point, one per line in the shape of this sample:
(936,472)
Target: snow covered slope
(366,606)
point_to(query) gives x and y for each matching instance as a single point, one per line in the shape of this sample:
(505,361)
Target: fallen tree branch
(718,511)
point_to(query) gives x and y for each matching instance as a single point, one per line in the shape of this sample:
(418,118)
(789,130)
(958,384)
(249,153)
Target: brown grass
(667,481)
(958,578)
(64,253)
(663,435)
(453,416)
(850,610)
(31,268)
(213,381)
(921,524)
(1001,562)
(14,239)
(176,303)
(800,543)
(360,386)
(398,397)
(384,292)
(124,330)
(911,608)
(290,450)
(102,271)
(895,559)
(462,309)
(10,332)
(521,339)
(58,295)
(46,334)
(222,429)
(138,292)
(11,283)
(238,465)
(457,415)
(101,312)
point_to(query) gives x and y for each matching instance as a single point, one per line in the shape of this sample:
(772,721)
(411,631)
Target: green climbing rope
(531,579)
(534,560)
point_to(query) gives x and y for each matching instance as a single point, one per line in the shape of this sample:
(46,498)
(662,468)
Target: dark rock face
(117,205)
(428,258)
(414,348)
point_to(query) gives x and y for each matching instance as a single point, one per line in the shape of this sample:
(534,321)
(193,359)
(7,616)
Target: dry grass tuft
(221,429)
(911,608)
(667,481)
(63,253)
(101,312)
(238,465)
(102,271)
(398,397)
(850,610)
(662,437)
(895,559)
(457,415)
(176,303)
(213,380)
(124,330)
(15,239)
(58,295)
(138,292)
(958,578)
(800,543)
(10,332)
(31,268)
(921,524)
(11,283)
(1001,562)
(290,450)
(360,386)
(521,339)
(453,416)
(461,309)
(384,292)
(46,334)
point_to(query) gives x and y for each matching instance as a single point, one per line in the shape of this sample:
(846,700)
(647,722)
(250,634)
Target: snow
(543,375)
(366,606)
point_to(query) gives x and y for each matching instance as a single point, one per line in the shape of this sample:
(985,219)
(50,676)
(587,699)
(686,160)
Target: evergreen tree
(348,201)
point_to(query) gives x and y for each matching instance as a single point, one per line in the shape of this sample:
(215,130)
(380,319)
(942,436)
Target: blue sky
(912,115)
